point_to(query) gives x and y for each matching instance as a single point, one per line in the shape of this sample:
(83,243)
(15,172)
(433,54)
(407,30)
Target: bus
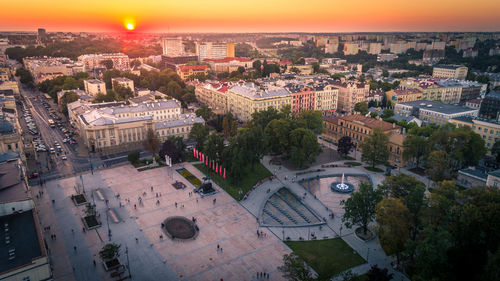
(51,123)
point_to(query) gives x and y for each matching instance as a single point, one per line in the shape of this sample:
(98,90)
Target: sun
(130,26)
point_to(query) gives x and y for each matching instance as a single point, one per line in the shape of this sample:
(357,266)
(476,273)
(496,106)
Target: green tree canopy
(360,207)
(374,148)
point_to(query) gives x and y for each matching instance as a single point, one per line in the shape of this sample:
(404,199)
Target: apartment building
(213,94)
(228,64)
(326,98)
(399,47)
(93,61)
(184,71)
(471,90)
(350,48)
(490,106)
(375,48)
(303,98)
(10,135)
(122,81)
(212,50)
(450,71)
(247,98)
(172,46)
(94,87)
(489,130)
(403,95)
(113,125)
(350,93)
(43,68)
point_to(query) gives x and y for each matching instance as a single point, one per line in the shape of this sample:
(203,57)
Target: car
(64,157)
(56,143)
(52,150)
(65,140)
(34,175)
(73,142)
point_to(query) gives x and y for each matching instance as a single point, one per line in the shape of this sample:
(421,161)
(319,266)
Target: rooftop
(493,94)
(228,59)
(184,119)
(475,173)
(193,67)
(94,81)
(24,240)
(448,66)
(437,106)
(495,173)
(253,91)
(365,121)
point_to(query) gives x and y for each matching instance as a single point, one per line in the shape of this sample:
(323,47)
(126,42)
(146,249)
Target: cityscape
(272,140)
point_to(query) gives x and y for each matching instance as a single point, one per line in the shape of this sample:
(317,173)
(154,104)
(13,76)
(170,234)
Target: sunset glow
(259,15)
(130,26)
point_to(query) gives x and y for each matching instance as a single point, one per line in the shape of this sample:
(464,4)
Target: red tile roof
(366,121)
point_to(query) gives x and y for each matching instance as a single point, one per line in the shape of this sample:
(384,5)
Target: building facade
(403,95)
(433,112)
(184,71)
(450,71)
(93,61)
(350,93)
(172,46)
(94,87)
(490,106)
(122,81)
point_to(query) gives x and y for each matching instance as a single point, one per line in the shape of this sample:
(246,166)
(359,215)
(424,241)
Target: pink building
(303,98)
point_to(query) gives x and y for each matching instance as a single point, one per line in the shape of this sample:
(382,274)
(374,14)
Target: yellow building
(230,50)
(350,48)
(184,71)
(396,149)
(403,95)
(489,131)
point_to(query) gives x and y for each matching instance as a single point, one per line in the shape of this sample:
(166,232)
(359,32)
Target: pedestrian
(83,229)
(74,248)
(221,249)
(136,240)
(135,206)
(176,204)
(215,200)
(94,263)
(258,234)
(151,188)
(72,231)
(55,237)
(218,247)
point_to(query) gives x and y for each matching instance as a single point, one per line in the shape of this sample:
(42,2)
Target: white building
(91,62)
(172,46)
(211,50)
(450,71)
(94,87)
(124,82)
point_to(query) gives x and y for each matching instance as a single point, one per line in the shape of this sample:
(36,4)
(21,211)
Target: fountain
(342,187)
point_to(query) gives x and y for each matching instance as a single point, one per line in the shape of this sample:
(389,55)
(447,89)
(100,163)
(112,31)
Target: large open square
(227,246)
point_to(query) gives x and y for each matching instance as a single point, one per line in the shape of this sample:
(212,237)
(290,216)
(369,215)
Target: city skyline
(261,16)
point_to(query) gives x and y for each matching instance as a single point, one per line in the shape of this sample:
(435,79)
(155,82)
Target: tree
(121,92)
(214,146)
(199,133)
(174,89)
(151,142)
(387,113)
(66,99)
(361,107)
(374,148)
(345,146)
(205,112)
(304,146)
(90,209)
(315,67)
(294,69)
(134,63)
(394,228)
(429,254)
(133,157)
(312,120)
(278,131)
(253,143)
(108,64)
(169,148)
(438,167)
(495,151)
(377,274)
(360,207)
(295,269)
(415,147)
(263,117)
(110,251)
(226,126)
(25,77)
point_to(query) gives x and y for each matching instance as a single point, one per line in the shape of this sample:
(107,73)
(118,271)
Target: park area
(327,257)
(246,182)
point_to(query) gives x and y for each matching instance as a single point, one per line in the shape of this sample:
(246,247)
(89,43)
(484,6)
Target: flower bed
(111,264)
(91,222)
(190,177)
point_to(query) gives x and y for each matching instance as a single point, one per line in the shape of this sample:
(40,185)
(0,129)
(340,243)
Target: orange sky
(252,15)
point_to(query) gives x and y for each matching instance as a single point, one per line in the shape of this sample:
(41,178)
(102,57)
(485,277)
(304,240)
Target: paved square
(224,223)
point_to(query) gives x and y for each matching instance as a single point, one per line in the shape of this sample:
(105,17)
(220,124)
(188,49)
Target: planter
(111,264)
(91,222)
(79,199)
(370,235)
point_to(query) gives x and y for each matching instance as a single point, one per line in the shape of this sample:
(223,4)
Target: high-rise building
(350,48)
(212,50)
(375,48)
(172,46)
(42,32)
(450,71)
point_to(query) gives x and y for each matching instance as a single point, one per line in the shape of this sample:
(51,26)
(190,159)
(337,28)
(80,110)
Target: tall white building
(172,46)
(210,50)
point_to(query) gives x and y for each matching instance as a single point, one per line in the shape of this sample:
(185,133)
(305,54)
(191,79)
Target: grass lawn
(376,170)
(245,184)
(363,277)
(349,158)
(327,257)
(353,163)
(188,157)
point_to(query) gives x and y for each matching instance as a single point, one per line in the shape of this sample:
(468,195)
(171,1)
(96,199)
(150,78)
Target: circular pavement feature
(180,228)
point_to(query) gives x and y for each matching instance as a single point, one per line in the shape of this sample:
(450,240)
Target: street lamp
(107,222)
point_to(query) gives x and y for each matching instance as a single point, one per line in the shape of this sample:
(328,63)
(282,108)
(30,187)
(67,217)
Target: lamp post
(107,222)
(128,262)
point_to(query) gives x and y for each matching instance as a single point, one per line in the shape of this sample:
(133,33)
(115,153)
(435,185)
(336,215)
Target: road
(52,166)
